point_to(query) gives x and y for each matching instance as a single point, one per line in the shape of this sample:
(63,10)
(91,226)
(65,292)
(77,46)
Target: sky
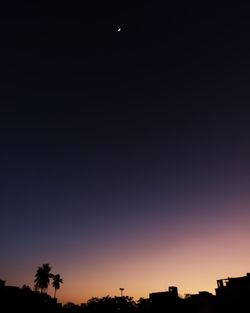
(125,154)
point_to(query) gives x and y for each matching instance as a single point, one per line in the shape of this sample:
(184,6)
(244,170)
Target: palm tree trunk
(55,293)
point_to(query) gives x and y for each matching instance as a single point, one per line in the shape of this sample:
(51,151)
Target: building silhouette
(14,300)
(203,302)
(166,300)
(233,294)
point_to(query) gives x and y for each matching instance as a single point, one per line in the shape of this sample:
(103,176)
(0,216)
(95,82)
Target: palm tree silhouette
(42,277)
(57,280)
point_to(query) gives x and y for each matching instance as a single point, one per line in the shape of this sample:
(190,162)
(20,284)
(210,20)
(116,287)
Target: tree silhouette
(42,277)
(111,305)
(57,280)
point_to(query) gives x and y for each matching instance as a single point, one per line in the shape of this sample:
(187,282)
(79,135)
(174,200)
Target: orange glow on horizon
(191,256)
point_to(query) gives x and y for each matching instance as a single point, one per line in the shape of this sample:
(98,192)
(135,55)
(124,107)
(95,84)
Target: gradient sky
(124,155)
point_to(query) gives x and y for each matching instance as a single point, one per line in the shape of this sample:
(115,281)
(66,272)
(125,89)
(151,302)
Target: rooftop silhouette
(232,295)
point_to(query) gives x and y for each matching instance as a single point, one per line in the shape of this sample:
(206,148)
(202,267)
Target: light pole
(121,289)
